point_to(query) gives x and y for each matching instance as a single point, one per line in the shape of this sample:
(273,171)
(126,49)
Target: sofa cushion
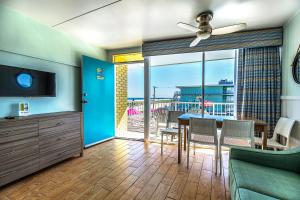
(271,182)
(246,194)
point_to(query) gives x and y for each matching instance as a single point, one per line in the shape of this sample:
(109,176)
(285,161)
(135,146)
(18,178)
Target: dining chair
(283,128)
(203,131)
(160,116)
(235,133)
(171,126)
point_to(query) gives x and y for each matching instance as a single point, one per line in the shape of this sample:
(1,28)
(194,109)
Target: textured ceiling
(130,22)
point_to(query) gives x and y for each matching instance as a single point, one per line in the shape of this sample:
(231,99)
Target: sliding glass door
(219,83)
(202,83)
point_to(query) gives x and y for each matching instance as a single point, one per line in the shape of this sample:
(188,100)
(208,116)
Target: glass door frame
(147,89)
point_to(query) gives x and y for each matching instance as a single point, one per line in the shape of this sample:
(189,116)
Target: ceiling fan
(204,29)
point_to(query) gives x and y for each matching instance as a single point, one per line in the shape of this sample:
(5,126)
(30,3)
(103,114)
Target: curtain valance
(246,39)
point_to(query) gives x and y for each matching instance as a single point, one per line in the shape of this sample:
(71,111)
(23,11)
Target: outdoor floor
(136,124)
(135,129)
(124,169)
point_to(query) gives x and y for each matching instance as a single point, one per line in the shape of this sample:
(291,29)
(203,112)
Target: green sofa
(257,174)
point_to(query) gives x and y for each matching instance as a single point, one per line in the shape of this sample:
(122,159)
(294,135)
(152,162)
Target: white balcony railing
(220,109)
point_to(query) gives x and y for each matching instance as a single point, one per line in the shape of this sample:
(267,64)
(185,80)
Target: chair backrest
(173,117)
(204,127)
(160,115)
(237,130)
(283,128)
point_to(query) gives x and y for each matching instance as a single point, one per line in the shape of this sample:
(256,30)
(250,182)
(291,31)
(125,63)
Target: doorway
(130,101)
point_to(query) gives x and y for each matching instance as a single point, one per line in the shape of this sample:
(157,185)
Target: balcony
(135,112)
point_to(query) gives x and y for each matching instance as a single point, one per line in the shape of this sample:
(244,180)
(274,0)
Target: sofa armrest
(286,160)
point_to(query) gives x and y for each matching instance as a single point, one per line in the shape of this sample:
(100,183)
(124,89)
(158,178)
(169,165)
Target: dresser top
(39,116)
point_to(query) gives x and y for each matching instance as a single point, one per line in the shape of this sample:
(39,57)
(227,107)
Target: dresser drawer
(17,130)
(54,137)
(14,173)
(60,125)
(60,154)
(8,166)
(48,144)
(13,151)
(9,146)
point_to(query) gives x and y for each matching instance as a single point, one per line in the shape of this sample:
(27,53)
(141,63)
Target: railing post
(213,109)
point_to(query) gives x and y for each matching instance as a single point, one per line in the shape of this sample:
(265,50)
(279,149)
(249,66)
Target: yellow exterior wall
(121,98)
(129,57)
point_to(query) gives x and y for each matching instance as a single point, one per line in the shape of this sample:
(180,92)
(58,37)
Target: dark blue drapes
(259,84)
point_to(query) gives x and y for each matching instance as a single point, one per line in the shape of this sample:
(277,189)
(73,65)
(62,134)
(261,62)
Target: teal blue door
(98,100)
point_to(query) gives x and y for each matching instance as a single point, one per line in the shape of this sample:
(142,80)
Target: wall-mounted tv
(20,82)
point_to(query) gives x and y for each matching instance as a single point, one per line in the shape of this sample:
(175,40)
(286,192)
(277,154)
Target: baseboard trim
(132,139)
(99,142)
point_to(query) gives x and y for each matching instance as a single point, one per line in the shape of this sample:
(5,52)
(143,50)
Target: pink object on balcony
(208,103)
(132,111)
(153,110)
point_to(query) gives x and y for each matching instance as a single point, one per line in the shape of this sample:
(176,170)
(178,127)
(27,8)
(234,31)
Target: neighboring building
(219,93)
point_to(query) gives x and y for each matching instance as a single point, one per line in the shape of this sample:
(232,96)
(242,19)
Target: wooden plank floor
(123,169)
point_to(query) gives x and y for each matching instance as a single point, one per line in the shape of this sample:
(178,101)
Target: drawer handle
(59,123)
(7,133)
(60,138)
(8,153)
(8,173)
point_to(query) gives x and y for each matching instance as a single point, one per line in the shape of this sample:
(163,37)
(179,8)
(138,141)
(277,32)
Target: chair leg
(194,148)
(216,159)
(167,136)
(221,160)
(188,155)
(162,143)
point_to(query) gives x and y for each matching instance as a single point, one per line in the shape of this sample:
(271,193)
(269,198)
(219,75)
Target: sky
(167,77)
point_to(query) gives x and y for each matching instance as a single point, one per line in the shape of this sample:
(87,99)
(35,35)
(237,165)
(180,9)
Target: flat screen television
(20,82)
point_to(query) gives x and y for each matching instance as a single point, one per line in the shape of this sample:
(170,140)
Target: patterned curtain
(259,84)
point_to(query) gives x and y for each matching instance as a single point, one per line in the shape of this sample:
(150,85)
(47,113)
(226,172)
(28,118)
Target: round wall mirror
(24,80)
(296,67)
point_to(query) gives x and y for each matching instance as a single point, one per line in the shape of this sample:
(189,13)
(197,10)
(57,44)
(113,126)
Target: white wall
(290,89)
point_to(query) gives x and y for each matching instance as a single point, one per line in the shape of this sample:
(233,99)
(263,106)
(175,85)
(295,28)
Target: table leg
(265,137)
(185,138)
(179,143)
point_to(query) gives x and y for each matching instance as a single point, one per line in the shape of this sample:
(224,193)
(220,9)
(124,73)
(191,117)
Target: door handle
(84,101)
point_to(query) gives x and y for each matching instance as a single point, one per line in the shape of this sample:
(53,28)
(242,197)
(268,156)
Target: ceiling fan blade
(188,27)
(195,41)
(229,29)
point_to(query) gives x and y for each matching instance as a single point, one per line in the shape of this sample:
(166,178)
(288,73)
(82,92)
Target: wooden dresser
(28,144)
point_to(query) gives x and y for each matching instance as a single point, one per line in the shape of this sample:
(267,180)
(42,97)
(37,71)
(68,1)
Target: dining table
(184,119)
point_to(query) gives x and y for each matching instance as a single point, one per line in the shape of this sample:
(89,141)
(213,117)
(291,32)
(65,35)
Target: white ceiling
(130,22)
